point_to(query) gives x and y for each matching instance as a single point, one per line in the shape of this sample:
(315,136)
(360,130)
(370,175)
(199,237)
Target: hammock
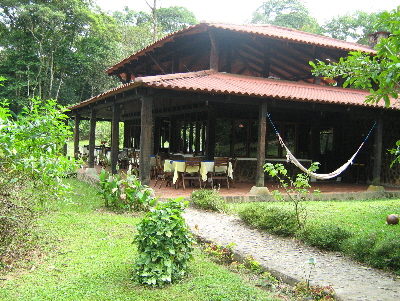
(291,158)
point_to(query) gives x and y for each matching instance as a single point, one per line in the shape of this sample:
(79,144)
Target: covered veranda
(212,114)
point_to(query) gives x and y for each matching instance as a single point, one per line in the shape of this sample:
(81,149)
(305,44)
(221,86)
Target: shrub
(124,192)
(164,244)
(207,199)
(325,236)
(274,219)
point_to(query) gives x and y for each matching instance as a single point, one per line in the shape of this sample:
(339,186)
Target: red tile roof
(265,30)
(210,81)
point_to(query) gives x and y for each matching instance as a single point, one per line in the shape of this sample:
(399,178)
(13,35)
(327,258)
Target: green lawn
(85,253)
(357,216)
(355,228)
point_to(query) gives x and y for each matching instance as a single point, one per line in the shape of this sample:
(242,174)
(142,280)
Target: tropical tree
(352,27)
(137,28)
(53,49)
(380,73)
(287,13)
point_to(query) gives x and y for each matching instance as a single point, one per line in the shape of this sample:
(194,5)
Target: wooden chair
(220,171)
(233,162)
(192,171)
(161,174)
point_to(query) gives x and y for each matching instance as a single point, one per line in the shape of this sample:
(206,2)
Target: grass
(355,228)
(357,216)
(84,252)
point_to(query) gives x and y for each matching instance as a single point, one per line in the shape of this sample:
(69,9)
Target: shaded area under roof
(262,30)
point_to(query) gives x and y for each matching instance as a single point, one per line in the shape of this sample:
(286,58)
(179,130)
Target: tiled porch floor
(243,188)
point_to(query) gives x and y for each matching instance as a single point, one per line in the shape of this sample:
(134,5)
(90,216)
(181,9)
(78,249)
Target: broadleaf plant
(164,245)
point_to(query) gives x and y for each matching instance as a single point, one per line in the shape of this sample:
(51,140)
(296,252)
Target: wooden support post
(116,111)
(262,133)
(376,169)
(214,52)
(197,140)
(65,146)
(92,137)
(267,62)
(145,139)
(210,135)
(76,133)
(127,138)
(191,137)
(175,62)
(157,144)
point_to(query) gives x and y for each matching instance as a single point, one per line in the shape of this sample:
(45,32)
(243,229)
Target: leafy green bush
(207,199)
(124,191)
(31,167)
(164,245)
(325,236)
(274,219)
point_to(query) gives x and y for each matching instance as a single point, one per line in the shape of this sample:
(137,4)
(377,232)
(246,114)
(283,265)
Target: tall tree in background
(136,27)
(287,13)
(352,27)
(53,49)
(153,9)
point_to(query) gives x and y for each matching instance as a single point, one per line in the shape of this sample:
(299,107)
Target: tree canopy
(286,13)
(60,49)
(379,73)
(354,27)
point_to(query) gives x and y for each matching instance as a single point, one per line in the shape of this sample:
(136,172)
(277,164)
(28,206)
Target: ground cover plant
(357,228)
(124,191)
(208,199)
(84,251)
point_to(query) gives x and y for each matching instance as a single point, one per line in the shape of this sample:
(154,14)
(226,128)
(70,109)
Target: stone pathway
(288,259)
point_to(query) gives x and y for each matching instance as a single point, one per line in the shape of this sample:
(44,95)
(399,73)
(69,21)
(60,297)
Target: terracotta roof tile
(210,81)
(294,35)
(265,30)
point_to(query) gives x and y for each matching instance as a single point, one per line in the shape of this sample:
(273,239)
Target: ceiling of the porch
(252,50)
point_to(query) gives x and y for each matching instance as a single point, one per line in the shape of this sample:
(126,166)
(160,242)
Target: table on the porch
(178,166)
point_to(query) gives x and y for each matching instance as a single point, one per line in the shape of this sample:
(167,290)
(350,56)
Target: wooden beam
(116,112)
(145,138)
(92,137)
(214,52)
(376,169)
(76,133)
(267,62)
(210,135)
(262,135)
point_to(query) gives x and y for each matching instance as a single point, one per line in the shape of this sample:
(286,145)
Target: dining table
(178,166)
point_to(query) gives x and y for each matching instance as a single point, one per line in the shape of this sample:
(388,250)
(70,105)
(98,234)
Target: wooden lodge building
(207,90)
